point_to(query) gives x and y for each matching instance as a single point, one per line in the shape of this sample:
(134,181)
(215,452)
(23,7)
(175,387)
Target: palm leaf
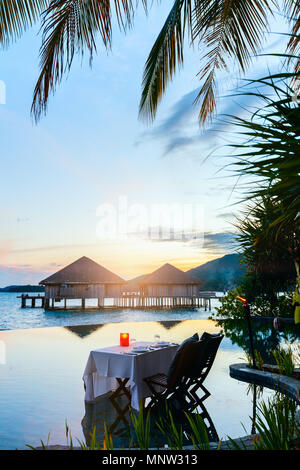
(69,27)
(230,29)
(271,148)
(16,16)
(292,8)
(165,57)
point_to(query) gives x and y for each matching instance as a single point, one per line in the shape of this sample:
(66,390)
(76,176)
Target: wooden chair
(178,391)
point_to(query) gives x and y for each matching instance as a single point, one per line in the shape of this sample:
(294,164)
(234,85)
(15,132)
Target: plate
(139,349)
(163,343)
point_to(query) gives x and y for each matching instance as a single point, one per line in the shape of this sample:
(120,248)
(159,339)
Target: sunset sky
(91,149)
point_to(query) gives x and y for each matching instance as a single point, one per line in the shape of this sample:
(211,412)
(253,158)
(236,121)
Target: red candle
(124,339)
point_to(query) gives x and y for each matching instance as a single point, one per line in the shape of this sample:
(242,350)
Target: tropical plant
(277,426)
(269,155)
(18,15)
(266,250)
(229,30)
(269,151)
(141,428)
(198,434)
(231,307)
(172,433)
(285,361)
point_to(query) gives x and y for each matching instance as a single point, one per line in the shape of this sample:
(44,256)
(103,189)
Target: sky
(68,183)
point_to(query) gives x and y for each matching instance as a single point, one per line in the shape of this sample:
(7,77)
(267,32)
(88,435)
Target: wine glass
(156,338)
(132,341)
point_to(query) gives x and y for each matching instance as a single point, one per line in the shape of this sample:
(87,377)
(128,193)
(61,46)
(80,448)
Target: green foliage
(44,446)
(269,229)
(172,432)
(259,360)
(141,429)
(228,32)
(285,362)
(266,250)
(277,426)
(16,16)
(270,149)
(232,308)
(198,435)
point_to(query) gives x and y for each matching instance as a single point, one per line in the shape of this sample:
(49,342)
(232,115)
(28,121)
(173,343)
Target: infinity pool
(42,388)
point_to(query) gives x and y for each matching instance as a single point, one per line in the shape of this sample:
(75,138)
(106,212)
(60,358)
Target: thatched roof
(168,274)
(83,271)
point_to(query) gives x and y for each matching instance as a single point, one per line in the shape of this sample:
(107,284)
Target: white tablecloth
(104,365)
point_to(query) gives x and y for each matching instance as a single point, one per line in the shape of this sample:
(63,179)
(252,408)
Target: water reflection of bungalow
(83,279)
(168,325)
(83,331)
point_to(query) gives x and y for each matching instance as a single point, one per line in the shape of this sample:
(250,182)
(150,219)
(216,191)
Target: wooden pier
(34,299)
(126,301)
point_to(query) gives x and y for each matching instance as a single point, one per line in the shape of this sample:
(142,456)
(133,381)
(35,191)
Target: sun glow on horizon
(128,259)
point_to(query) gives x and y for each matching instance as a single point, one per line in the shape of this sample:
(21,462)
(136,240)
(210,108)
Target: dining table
(122,370)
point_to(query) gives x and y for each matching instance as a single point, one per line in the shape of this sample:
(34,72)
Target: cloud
(52,248)
(225,215)
(22,274)
(180,130)
(216,242)
(5,248)
(220,241)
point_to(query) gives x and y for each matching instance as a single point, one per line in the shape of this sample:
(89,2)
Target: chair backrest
(195,359)
(204,353)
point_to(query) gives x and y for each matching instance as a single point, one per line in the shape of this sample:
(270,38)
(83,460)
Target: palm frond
(271,148)
(69,27)
(292,9)
(16,16)
(165,57)
(230,29)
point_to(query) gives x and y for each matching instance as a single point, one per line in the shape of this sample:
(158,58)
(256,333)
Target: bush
(231,307)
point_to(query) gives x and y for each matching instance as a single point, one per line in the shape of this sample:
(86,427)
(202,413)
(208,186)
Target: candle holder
(124,339)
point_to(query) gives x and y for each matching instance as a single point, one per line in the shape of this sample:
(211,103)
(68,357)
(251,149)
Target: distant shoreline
(18,289)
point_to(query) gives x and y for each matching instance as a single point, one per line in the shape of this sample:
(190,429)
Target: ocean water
(42,388)
(46,353)
(12,316)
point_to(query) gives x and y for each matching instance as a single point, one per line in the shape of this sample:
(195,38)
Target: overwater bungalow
(168,281)
(167,286)
(83,279)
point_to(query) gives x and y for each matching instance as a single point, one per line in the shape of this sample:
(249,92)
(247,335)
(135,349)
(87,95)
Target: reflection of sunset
(42,377)
(103,335)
